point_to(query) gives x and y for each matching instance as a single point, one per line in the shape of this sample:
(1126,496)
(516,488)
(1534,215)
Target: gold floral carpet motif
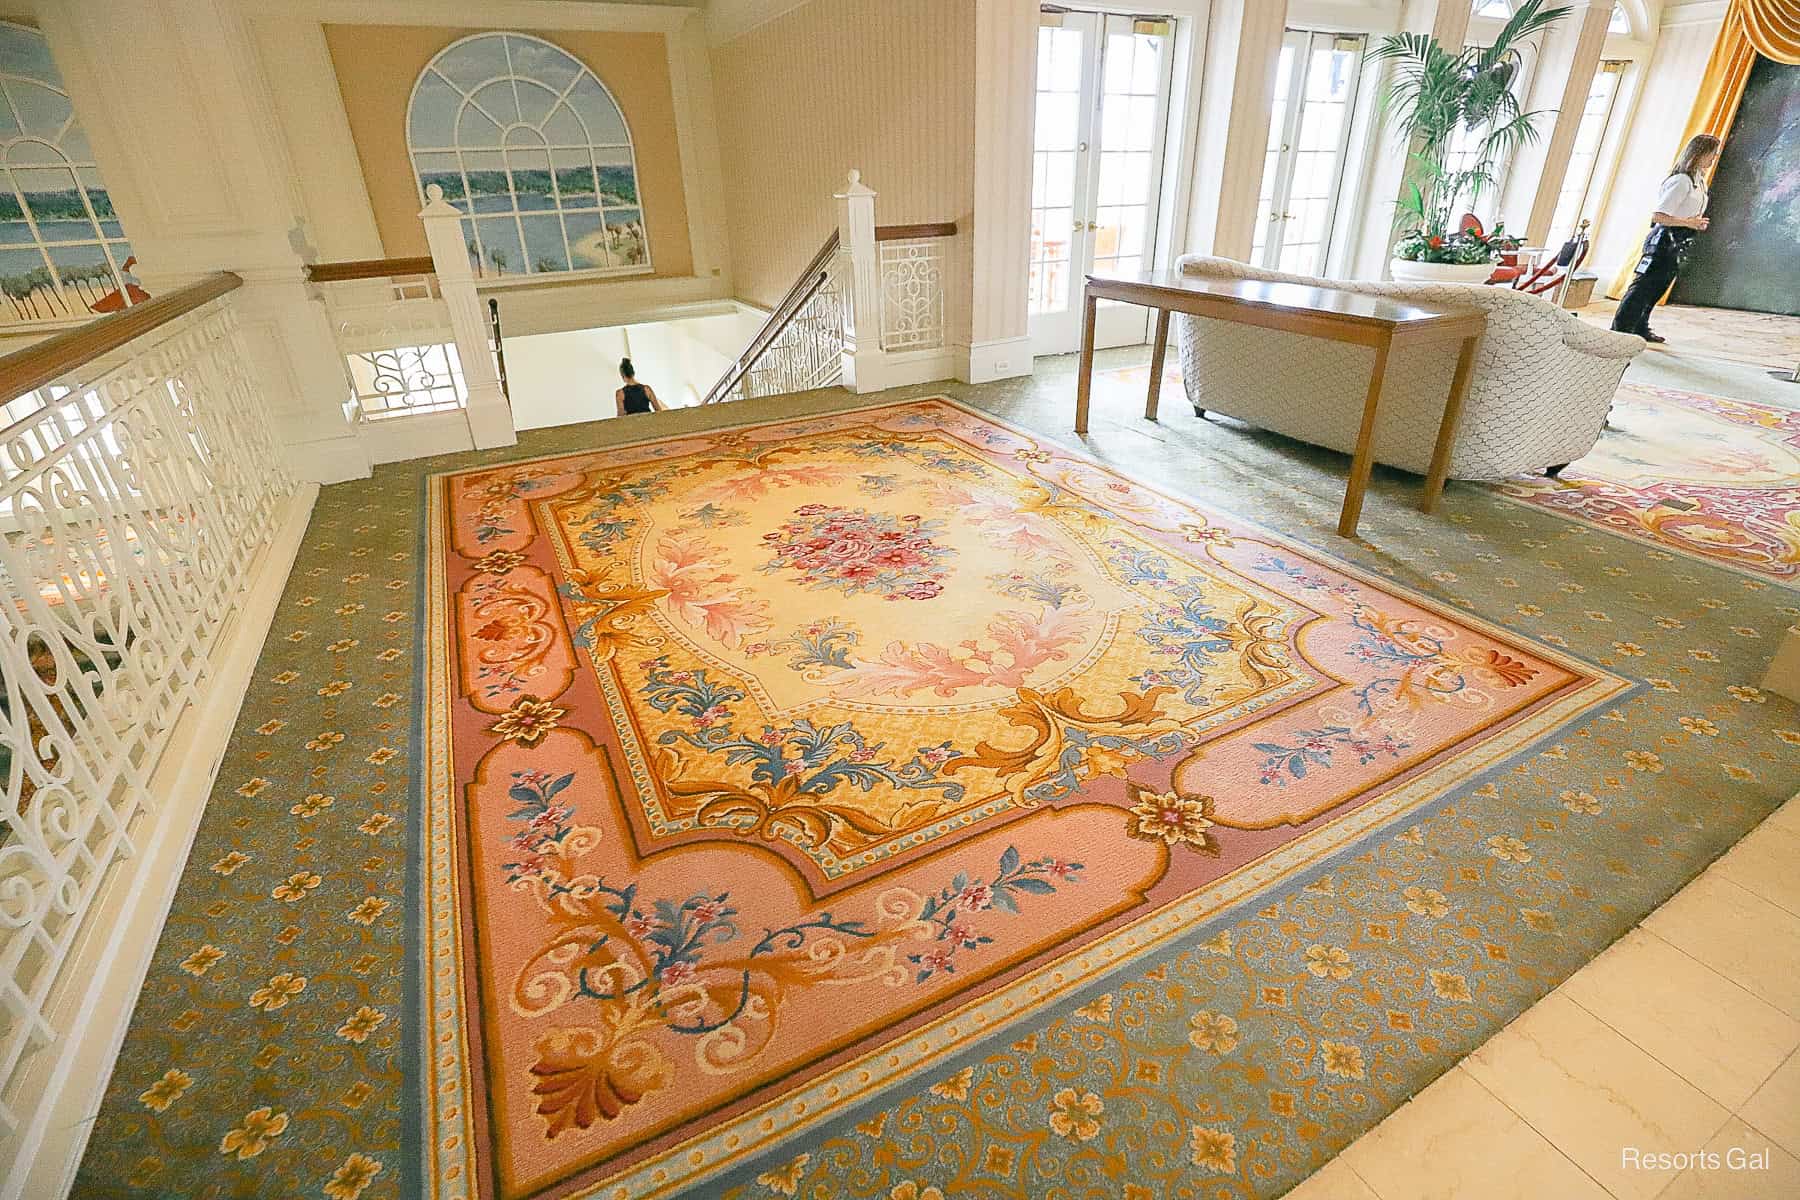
(771,765)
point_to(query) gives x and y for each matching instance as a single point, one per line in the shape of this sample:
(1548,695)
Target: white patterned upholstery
(1542,384)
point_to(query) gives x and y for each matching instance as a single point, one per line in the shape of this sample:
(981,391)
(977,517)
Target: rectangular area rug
(770,768)
(1703,476)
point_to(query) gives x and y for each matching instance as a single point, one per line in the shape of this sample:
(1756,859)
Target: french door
(1102,110)
(1303,168)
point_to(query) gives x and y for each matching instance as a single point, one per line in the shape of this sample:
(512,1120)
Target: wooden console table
(1341,316)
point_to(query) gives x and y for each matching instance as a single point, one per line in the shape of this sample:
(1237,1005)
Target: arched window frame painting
(63,253)
(532,146)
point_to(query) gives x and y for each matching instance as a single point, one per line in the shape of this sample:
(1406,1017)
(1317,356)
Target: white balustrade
(912,293)
(138,493)
(399,351)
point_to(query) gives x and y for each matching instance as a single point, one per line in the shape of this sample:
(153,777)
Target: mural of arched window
(62,250)
(532,146)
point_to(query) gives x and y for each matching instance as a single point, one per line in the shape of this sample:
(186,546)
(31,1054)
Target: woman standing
(634,397)
(1678,217)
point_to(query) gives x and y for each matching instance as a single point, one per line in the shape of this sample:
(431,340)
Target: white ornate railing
(137,491)
(868,311)
(808,353)
(912,293)
(398,349)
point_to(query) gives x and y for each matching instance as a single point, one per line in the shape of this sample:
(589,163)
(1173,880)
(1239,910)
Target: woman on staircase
(635,397)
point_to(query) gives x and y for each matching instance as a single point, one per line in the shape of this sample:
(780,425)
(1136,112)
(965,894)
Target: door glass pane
(1266,210)
(1131,79)
(1572,202)
(1301,190)
(1054,164)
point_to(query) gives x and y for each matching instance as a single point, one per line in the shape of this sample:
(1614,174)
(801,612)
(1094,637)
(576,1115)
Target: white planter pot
(1405,270)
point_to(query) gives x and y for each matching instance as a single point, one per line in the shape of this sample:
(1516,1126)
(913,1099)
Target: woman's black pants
(1656,271)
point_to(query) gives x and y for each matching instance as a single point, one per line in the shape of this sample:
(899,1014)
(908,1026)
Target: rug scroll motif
(772,761)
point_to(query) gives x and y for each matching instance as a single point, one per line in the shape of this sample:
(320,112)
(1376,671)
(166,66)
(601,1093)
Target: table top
(1296,298)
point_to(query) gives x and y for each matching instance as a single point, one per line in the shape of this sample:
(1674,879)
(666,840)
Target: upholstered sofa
(1538,398)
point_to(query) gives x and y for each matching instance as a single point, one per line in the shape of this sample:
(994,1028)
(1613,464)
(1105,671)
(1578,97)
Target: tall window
(1582,185)
(62,250)
(526,141)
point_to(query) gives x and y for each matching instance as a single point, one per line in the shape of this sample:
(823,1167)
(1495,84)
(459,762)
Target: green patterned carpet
(270,1052)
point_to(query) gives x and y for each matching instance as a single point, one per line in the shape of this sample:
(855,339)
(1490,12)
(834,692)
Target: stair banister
(489,415)
(864,361)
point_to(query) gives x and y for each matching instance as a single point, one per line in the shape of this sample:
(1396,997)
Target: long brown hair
(1688,161)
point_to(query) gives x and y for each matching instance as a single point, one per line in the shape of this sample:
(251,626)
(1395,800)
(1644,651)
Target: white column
(197,168)
(996,343)
(860,279)
(1565,73)
(1237,88)
(490,416)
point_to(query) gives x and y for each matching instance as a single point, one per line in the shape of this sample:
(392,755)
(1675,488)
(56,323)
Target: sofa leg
(1198,411)
(1556,471)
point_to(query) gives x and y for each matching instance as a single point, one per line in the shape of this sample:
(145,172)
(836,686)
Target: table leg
(1084,377)
(1446,439)
(1364,459)
(1160,349)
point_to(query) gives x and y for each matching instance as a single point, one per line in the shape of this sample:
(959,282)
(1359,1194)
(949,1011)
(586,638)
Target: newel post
(490,417)
(864,367)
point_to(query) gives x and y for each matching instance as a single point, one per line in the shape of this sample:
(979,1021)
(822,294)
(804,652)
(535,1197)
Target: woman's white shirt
(1681,197)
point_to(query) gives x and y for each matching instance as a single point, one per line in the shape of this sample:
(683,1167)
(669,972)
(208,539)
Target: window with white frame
(1582,182)
(527,141)
(63,251)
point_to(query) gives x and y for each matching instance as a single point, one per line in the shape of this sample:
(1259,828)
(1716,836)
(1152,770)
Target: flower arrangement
(1467,246)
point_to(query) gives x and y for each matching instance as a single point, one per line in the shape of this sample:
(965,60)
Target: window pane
(538,135)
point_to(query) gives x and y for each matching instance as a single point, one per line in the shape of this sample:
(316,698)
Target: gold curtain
(1767,27)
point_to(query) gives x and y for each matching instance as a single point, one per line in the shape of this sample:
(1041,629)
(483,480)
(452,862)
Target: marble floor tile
(1456,1141)
(1707,1029)
(1593,1094)
(1739,1164)
(1775,1108)
(1749,940)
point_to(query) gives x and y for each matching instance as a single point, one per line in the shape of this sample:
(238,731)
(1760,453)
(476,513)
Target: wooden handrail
(805,285)
(929,229)
(49,360)
(369,268)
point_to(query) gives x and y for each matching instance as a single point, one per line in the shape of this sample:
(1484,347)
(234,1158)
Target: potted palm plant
(1461,118)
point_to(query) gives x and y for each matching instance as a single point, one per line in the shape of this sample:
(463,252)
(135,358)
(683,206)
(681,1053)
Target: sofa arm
(1601,343)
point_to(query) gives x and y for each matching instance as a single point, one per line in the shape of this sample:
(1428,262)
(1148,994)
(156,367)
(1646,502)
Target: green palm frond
(1432,96)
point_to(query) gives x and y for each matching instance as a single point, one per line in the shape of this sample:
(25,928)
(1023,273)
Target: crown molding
(491,14)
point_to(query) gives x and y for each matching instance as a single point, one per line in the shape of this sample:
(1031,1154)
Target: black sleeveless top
(637,398)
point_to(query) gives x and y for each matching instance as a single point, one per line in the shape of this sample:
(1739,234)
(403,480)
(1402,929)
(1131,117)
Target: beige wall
(887,88)
(376,66)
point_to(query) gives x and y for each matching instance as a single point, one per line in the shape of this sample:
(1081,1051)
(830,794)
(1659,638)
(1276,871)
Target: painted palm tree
(1434,95)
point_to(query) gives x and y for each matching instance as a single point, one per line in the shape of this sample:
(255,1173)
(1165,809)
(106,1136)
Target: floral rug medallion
(1706,476)
(774,764)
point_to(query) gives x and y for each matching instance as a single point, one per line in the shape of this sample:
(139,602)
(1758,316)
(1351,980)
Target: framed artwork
(63,251)
(1750,257)
(530,145)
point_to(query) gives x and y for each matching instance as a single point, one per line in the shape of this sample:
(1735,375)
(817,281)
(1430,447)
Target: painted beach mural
(63,252)
(1750,258)
(529,143)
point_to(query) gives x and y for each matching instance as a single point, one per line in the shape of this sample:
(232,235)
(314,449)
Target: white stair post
(864,363)
(489,414)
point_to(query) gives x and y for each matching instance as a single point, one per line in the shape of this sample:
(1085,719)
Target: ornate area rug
(771,766)
(1704,475)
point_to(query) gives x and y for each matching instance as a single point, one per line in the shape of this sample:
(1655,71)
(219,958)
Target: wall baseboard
(984,362)
(107,966)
